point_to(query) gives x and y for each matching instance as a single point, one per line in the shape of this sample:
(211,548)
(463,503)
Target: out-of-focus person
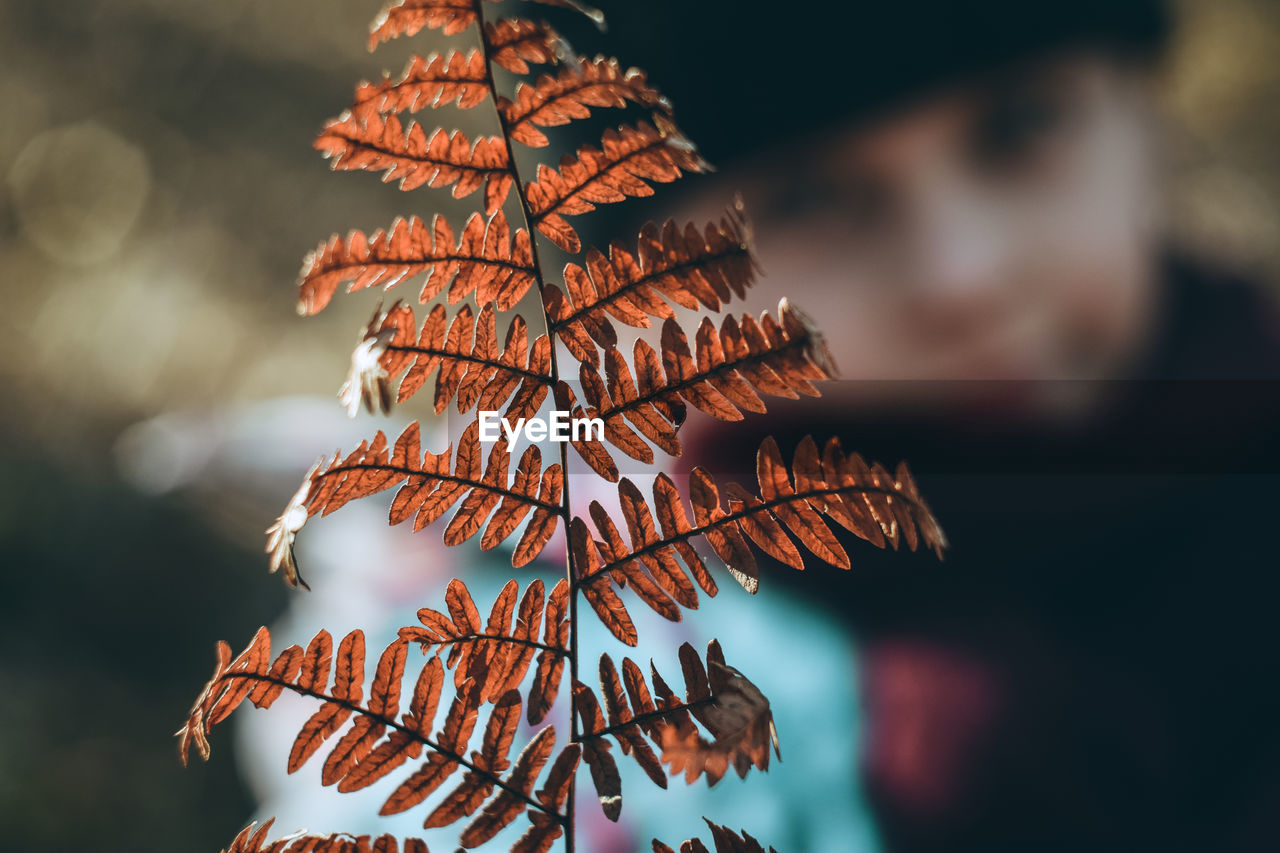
(969,199)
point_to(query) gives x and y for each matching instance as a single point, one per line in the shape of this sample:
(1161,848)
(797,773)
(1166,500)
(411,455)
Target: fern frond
(472,372)
(497,655)
(628,160)
(724,839)
(371,141)
(553,101)
(433,81)
(485,259)
(435,482)
(689,267)
(409,17)
(380,739)
(883,509)
(730,707)
(719,698)
(723,721)
(733,366)
(253,839)
(515,42)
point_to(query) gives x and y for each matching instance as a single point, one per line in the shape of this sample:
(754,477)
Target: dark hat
(743,73)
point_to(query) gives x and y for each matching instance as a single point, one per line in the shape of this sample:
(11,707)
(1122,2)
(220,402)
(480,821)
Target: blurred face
(1000,231)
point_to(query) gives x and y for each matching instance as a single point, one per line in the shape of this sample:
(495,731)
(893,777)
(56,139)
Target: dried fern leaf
(380,739)
(718,698)
(883,509)
(732,367)
(596,588)
(737,716)
(550,666)
(409,17)
(596,753)
(689,267)
(473,372)
(497,655)
(507,806)
(724,839)
(485,259)
(455,78)
(552,101)
(253,839)
(371,141)
(477,785)
(626,163)
(432,483)
(515,42)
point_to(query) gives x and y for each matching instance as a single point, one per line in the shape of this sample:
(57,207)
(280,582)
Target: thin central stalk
(564,509)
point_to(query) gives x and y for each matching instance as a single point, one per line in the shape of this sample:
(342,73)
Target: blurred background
(157,194)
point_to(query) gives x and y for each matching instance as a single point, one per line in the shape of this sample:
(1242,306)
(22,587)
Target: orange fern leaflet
(472,371)
(880,508)
(499,651)
(370,141)
(486,258)
(558,100)
(253,839)
(460,79)
(689,267)
(380,739)
(724,839)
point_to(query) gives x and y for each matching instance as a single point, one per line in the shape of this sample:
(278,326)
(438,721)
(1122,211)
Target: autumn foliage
(487,668)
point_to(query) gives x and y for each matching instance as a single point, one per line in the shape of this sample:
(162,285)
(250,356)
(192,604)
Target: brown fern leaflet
(472,370)
(448,735)
(433,81)
(732,366)
(254,839)
(721,699)
(381,739)
(628,160)
(375,142)
(515,42)
(497,655)
(554,101)
(484,253)
(434,482)
(724,839)
(690,267)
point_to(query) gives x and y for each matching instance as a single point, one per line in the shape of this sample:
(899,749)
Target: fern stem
(648,278)
(564,509)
